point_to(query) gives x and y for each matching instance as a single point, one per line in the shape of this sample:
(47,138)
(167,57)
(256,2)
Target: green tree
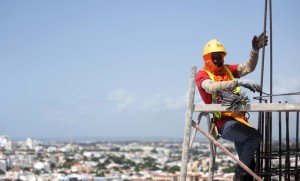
(172,169)
(128,164)
(69,162)
(36,172)
(229,169)
(154,150)
(95,159)
(150,163)
(2,172)
(52,166)
(119,160)
(100,174)
(101,166)
(138,167)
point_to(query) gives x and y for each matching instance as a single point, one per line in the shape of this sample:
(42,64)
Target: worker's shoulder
(201,74)
(232,66)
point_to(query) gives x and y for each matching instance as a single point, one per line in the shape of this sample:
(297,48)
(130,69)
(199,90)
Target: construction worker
(216,77)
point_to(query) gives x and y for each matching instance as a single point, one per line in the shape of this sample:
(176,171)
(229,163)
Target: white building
(6,143)
(42,165)
(30,143)
(3,165)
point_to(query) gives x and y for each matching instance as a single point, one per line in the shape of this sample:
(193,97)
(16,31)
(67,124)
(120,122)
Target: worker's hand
(260,41)
(249,84)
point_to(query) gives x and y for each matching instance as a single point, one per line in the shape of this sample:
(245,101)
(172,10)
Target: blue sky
(121,68)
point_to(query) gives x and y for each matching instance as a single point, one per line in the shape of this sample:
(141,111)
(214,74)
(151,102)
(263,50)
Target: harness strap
(229,72)
(237,117)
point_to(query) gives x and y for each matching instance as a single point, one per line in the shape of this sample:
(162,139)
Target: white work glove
(249,84)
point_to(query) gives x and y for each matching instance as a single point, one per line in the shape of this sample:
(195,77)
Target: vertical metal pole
(188,125)
(297,146)
(259,150)
(270,143)
(271,140)
(280,150)
(213,150)
(267,146)
(263,50)
(271,82)
(271,52)
(287,158)
(262,152)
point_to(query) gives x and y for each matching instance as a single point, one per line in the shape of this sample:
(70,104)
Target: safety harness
(215,100)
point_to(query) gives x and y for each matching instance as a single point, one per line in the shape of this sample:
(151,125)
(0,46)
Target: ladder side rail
(188,125)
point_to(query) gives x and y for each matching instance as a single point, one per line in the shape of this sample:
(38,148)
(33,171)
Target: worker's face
(217,58)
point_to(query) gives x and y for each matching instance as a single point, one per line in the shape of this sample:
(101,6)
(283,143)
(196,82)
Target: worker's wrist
(255,51)
(236,83)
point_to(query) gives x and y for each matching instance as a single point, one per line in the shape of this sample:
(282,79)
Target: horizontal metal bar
(259,107)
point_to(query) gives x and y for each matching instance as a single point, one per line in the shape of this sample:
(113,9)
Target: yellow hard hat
(213,46)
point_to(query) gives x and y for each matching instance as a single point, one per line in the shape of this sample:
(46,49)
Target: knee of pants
(257,137)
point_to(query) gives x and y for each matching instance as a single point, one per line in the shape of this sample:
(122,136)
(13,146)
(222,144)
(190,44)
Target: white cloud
(71,112)
(123,99)
(175,103)
(153,103)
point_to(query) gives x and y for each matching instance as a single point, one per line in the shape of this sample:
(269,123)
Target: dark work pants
(246,140)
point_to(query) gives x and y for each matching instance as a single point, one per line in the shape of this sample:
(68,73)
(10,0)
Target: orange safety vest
(234,115)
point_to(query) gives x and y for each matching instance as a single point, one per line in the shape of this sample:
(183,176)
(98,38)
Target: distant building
(3,165)
(6,143)
(42,165)
(30,143)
